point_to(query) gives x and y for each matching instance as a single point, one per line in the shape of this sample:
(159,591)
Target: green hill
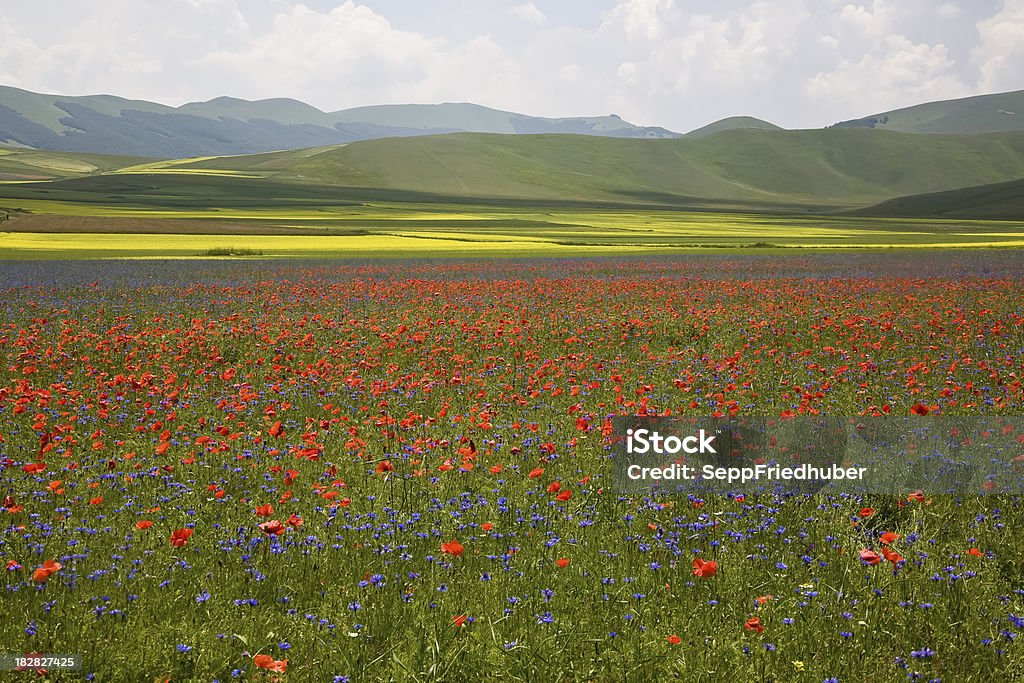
(18,164)
(833,167)
(998,201)
(737,169)
(981,114)
(732,123)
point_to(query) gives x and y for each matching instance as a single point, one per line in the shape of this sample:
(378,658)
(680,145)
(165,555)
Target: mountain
(732,123)
(980,114)
(996,201)
(756,170)
(113,125)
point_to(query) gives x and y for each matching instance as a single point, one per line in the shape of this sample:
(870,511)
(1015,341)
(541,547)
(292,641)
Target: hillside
(732,123)
(18,164)
(997,201)
(739,169)
(113,125)
(840,167)
(982,114)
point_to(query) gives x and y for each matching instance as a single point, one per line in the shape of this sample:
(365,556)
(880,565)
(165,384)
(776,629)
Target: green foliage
(231,251)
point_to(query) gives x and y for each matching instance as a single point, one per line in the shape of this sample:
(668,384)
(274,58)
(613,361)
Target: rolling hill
(997,201)
(834,167)
(18,164)
(739,169)
(981,114)
(732,123)
(113,125)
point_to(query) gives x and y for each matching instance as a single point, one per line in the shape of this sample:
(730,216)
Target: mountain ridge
(109,124)
(992,113)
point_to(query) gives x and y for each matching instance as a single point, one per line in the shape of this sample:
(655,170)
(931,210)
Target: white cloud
(643,19)
(656,62)
(528,13)
(900,73)
(1000,55)
(875,19)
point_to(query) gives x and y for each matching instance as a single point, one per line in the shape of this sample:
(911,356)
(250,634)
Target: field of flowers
(398,470)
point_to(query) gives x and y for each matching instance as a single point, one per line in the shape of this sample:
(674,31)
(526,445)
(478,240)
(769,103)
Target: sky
(679,64)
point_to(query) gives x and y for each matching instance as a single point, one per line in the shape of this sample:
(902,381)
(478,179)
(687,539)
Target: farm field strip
(341,230)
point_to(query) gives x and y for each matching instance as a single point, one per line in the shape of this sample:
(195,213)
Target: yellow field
(33,245)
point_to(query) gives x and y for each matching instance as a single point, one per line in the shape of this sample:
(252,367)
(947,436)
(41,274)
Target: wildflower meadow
(399,470)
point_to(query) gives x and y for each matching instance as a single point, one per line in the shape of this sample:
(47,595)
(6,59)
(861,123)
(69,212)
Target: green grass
(730,123)
(999,201)
(28,164)
(156,390)
(498,195)
(762,169)
(982,113)
(459,231)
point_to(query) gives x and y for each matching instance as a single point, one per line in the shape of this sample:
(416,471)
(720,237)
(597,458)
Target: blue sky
(673,63)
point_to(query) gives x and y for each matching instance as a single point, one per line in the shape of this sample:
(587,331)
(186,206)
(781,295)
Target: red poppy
(867,512)
(892,556)
(888,537)
(96,501)
(43,573)
(753,624)
(452,547)
(564,495)
(486,526)
(272,526)
(294,521)
(277,429)
(674,639)
(919,409)
(975,552)
(270,664)
(143,524)
(554,487)
(459,620)
(179,537)
(917,496)
(536,472)
(562,562)
(265,510)
(705,569)
(385,466)
(869,557)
